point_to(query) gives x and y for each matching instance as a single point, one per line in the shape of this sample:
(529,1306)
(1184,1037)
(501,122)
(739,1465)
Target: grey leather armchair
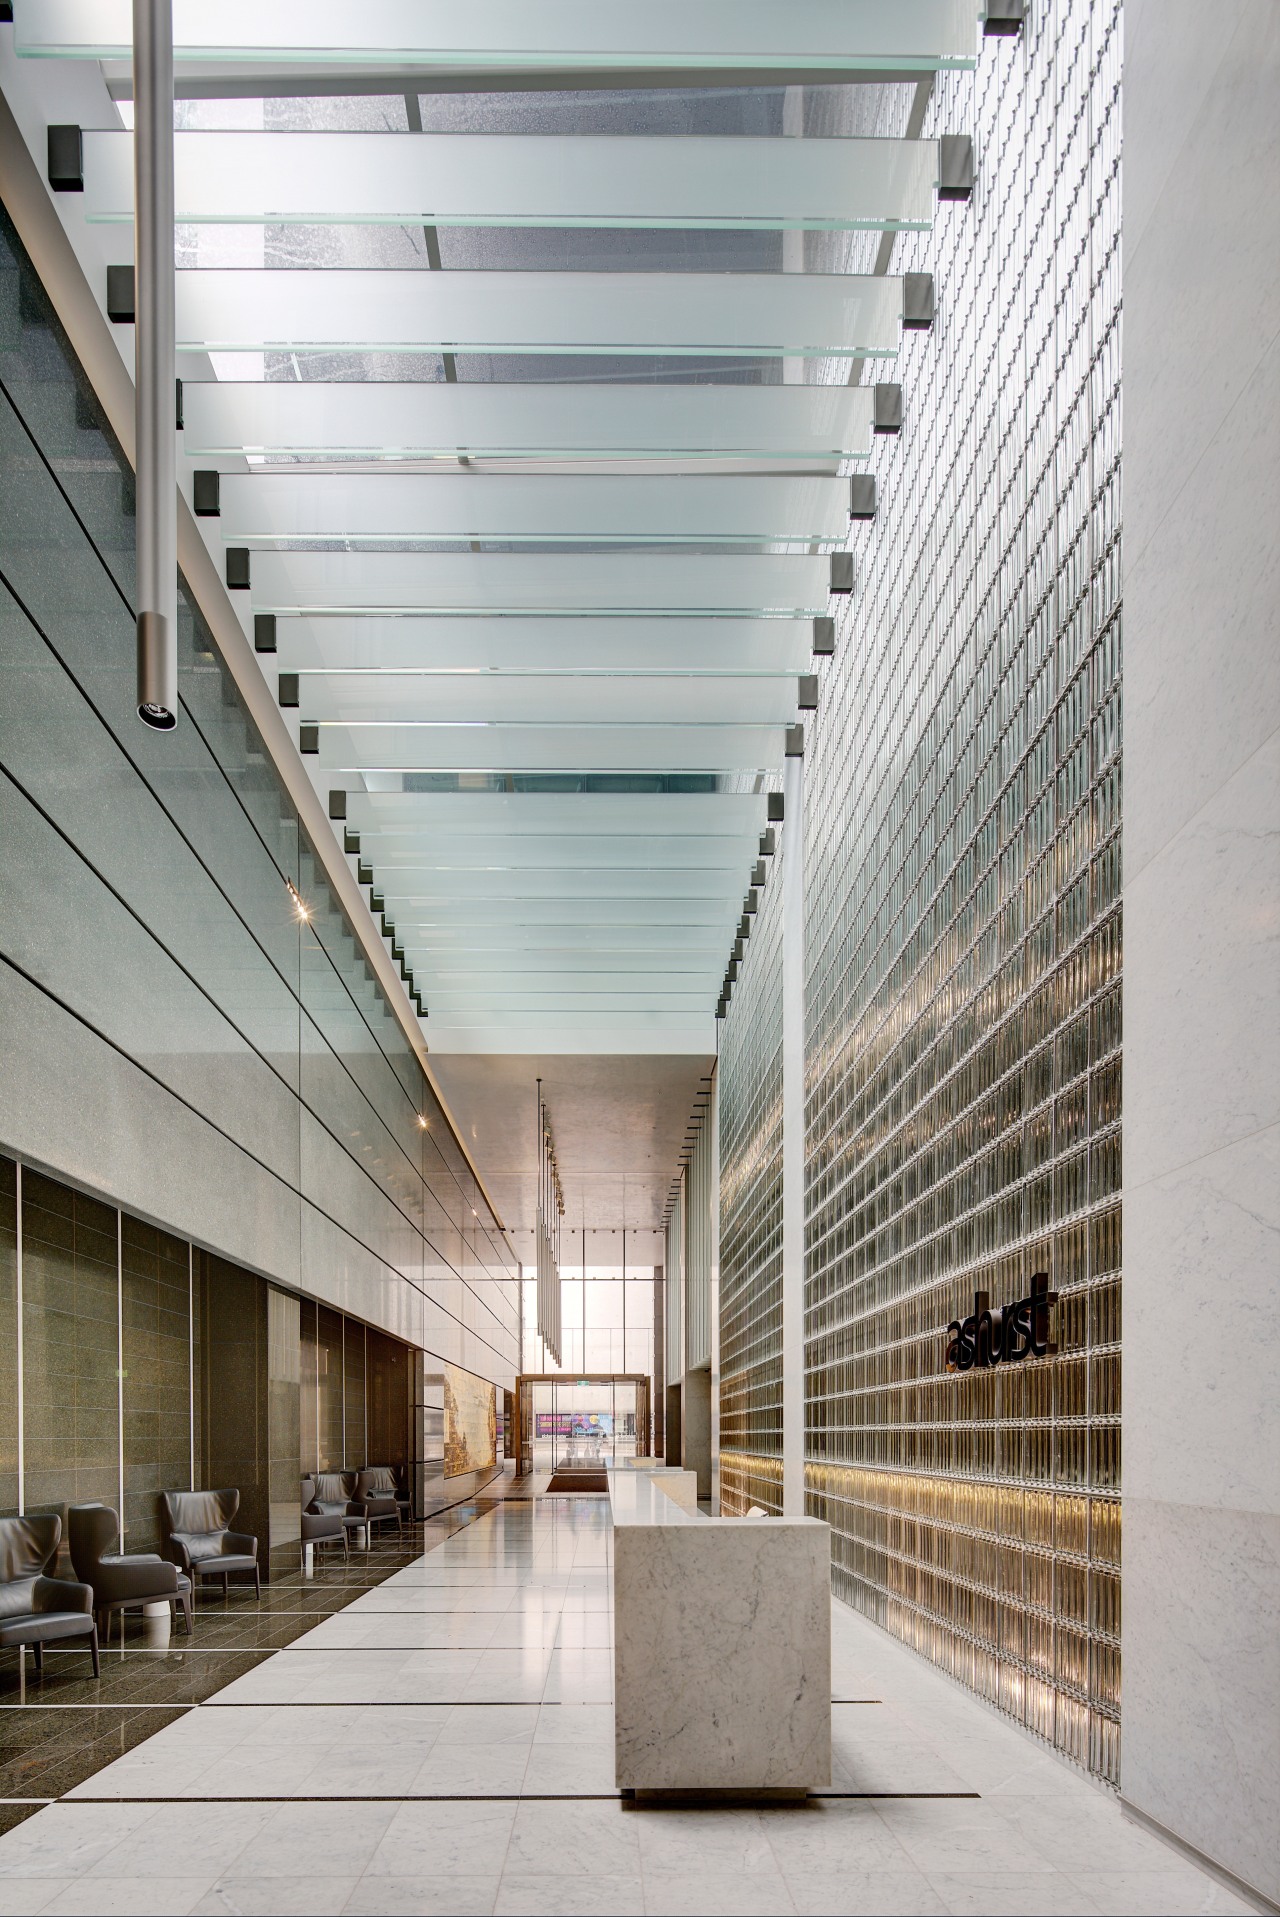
(35,1609)
(198,1537)
(121,1583)
(376,1490)
(321,1527)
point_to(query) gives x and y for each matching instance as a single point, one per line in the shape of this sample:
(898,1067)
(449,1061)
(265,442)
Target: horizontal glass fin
(491,648)
(252,310)
(830,36)
(406,420)
(393,697)
(477,179)
(540,747)
(744,586)
(671,509)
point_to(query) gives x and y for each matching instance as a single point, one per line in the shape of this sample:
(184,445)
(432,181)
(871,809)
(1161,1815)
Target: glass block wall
(750,1094)
(963,922)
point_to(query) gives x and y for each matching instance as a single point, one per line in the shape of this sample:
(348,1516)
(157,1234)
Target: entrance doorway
(585,1425)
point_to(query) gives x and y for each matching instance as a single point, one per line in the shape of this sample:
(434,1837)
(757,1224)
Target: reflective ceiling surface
(534,378)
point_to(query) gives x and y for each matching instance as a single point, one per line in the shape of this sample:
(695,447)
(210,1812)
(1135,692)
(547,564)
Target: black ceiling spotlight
(388,928)
(862,503)
(807,698)
(768,843)
(238,568)
(777,808)
(757,872)
(1004,18)
(206,492)
(66,159)
(337,803)
(364,873)
(824,637)
(264,632)
(308,737)
(752,901)
(887,405)
(795,742)
(955,166)
(121,303)
(287,691)
(744,927)
(351,843)
(722,1007)
(917,302)
(376,902)
(841,580)
(739,949)
(733,971)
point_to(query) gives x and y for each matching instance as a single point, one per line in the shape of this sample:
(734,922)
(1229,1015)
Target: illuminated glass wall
(963,927)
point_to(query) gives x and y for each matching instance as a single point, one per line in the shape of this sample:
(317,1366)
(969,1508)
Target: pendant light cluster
(550,1212)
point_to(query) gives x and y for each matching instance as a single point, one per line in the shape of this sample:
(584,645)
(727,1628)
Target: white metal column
(793,1141)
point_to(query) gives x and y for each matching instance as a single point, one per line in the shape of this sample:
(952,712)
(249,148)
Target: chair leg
(93,1652)
(38,1652)
(257,1581)
(184,1599)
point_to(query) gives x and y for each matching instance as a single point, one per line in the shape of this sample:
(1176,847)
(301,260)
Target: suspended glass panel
(405,420)
(390,311)
(747,586)
(477,179)
(479,648)
(652,701)
(832,36)
(464,745)
(669,509)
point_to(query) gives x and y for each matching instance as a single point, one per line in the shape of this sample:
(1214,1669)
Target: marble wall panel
(1201,1563)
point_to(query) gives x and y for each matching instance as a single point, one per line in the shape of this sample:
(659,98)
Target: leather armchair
(332,1495)
(321,1527)
(383,1481)
(375,1493)
(120,1583)
(35,1609)
(198,1537)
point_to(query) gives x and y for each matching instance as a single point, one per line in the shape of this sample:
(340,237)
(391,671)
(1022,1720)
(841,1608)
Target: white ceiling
(619,1123)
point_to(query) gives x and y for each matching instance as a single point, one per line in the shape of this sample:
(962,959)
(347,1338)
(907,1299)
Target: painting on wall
(470,1423)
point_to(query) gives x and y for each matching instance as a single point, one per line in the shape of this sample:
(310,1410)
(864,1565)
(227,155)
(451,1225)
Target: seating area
(38,1606)
(377,1494)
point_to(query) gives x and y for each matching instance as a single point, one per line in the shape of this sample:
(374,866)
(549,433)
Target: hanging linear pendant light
(154,365)
(550,1212)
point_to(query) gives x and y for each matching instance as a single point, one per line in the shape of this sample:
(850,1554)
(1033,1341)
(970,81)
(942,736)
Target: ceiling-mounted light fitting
(155,457)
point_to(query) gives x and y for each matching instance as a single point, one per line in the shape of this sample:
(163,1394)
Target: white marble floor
(445,1745)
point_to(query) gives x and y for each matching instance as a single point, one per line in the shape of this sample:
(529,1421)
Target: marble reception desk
(722,1646)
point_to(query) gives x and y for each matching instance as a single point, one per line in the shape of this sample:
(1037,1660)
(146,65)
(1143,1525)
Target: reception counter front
(722,1646)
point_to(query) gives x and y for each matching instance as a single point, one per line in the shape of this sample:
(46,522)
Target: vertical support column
(155,365)
(713,1121)
(793,1141)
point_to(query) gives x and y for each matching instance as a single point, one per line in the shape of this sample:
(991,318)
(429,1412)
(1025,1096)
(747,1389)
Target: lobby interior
(634,894)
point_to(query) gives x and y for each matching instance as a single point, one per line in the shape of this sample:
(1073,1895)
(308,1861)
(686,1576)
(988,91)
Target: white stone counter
(722,1646)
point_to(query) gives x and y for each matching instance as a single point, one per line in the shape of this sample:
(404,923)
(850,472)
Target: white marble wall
(1201,373)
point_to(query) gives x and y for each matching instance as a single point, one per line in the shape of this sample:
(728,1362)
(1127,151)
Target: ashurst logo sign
(1006,1335)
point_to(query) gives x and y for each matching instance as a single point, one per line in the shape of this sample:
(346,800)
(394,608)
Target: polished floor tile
(432,1731)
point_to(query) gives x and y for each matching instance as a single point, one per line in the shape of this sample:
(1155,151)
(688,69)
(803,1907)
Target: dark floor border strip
(485,1797)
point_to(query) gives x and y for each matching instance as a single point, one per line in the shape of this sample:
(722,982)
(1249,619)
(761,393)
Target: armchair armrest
(60,1594)
(177,1553)
(237,1544)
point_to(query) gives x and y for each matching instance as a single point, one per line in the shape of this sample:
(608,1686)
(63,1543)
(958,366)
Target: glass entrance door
(582,1425)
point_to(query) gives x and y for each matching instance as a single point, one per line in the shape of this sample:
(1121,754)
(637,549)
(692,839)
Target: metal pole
(793,1142)
(155,365)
